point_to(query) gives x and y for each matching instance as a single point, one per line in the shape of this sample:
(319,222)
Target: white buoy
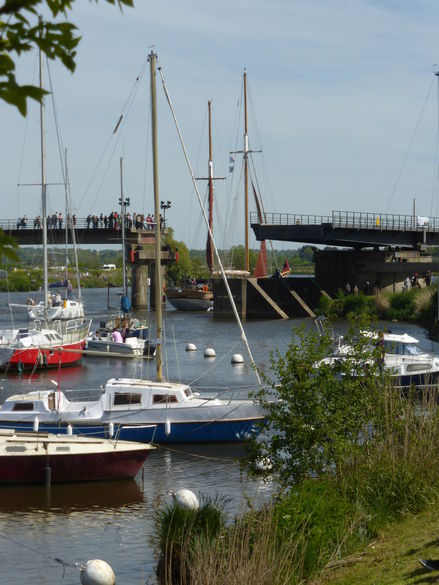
(97,572)
(167,427)
(209,352)
(237,358)
(191,347)
(110,430)
(185,499)
(69,430)
(36,424)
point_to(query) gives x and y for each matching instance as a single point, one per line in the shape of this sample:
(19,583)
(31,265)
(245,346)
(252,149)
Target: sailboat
(46,344)
(143,410)
(190,296)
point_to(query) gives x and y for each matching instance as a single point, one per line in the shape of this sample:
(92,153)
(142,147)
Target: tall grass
(395,472)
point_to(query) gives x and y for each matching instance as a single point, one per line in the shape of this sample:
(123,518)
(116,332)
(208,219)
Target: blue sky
(336,95)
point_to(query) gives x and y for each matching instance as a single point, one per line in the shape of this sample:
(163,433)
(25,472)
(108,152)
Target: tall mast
(158,276)
(209,247)
(122,205)
(246,151)
(43,187)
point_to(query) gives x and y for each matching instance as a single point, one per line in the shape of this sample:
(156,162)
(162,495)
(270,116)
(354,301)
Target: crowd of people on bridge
(112,221)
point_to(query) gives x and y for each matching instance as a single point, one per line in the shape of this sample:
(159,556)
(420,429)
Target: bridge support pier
(139,286)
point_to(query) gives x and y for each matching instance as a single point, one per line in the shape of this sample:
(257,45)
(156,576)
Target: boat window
(63,448)
(418,367)
(19,406)
(413,349)
(15,448)
(126,398)
(51,401)
(162,398)
(188,392)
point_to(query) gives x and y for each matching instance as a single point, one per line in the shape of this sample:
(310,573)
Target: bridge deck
(348,228)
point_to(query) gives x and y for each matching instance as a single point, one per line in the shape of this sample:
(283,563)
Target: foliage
(8,247)
(318,410)
(177,271)
(58,40)
(347,305)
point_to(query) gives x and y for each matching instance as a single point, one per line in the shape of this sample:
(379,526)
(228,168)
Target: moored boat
(45,458)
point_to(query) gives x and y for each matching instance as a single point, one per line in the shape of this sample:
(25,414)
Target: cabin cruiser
(136,410)
(403,358)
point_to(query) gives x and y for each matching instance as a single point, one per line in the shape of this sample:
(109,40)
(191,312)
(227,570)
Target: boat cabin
(402,345)
(126,393)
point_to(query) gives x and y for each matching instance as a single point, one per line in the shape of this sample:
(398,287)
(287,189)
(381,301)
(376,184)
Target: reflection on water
(66,498)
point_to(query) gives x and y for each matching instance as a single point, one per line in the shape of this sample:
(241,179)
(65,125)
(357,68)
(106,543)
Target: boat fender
(40,358)
(69,430)
(20,366)
(191,347)
(45,359)
(185,499)
(97,572)
(36,424)
(110,430)
(209,352)
(237,358)
(167,427)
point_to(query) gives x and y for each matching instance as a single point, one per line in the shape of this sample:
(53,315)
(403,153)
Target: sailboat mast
(43,189)
(122,205)
(246,151)
(158,275)
(209,248)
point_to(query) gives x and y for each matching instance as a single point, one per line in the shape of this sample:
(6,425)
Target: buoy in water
(97,572)
(185,499)
(209,352)
(237,358)
(191,347)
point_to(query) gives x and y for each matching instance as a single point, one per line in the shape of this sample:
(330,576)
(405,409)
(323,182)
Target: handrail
(352,220)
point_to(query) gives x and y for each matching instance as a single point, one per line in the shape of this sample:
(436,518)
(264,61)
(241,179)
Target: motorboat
(190,299)
(45,458)
(104,344)
(137,410)
(32,348)
(403,358)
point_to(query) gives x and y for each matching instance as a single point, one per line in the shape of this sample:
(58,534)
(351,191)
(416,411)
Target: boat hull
(30,358)
(207,431)
(190,300)
(70,468)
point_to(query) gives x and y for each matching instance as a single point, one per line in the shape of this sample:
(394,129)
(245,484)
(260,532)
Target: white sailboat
(48,343)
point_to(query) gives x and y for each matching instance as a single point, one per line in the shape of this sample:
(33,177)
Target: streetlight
(164,205)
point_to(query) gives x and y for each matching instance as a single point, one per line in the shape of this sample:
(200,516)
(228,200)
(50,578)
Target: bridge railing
(352,220)
(383,221)
(288,219)
(80,223)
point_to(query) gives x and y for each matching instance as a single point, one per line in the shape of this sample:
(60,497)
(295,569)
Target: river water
(115,521)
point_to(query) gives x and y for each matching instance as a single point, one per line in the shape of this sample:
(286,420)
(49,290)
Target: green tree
(58,40)
(176,271)
(8,247)
(318,409)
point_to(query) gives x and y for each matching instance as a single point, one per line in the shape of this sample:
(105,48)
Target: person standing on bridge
(60,220)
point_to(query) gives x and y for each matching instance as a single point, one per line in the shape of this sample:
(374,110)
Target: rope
(194,455)
(45,555)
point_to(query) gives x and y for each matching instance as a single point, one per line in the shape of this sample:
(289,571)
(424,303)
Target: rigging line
(434,187)
(176,354)
(194,455)
(35,550)
(226,284)
(409,147)
(121,122)
(57,125)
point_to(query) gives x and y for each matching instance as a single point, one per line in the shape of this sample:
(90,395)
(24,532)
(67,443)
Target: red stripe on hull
(31,358)
(71,468)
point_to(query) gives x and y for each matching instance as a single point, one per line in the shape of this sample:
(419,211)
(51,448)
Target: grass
(393,557)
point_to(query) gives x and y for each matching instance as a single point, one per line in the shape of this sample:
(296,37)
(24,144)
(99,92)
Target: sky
(343,104)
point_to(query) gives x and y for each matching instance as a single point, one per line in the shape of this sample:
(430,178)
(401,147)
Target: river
(115,521)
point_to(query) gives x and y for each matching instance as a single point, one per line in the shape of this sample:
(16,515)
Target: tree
(176,271)
(8,247)
(319,412)
(57,40)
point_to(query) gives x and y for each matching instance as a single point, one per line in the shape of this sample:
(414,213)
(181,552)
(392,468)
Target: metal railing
(352,220)
(81,223)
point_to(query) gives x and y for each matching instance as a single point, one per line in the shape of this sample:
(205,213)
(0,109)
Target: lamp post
(165,205)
